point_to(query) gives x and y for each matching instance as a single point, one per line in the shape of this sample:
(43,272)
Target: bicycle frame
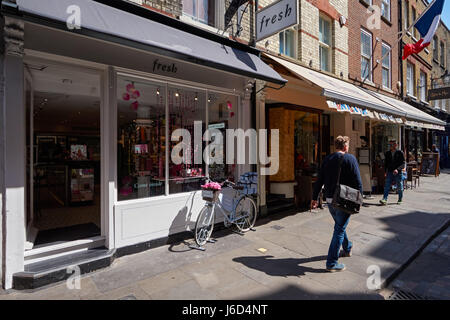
(230,216)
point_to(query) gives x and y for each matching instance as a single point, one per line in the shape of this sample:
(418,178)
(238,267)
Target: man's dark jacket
(350,175)
(394,163)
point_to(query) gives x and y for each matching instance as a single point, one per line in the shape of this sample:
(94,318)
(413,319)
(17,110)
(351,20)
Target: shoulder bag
(345,198)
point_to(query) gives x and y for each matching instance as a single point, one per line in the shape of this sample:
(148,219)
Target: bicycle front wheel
(246,214)
(204,225)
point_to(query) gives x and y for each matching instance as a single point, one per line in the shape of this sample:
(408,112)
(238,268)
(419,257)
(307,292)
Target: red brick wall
(387,33)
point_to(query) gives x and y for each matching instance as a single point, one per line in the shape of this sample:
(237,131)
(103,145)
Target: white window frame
(423,86)
(219,19)
(294,31)
(406,15)
(370,58)
(325,45)
(410,79)
(386,3)
(414,17)
(389,68)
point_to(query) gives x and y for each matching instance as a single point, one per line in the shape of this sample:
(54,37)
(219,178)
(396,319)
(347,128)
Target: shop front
(92,112)
(310,112)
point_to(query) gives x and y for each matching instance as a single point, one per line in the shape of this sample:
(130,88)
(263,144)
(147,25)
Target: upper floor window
(386,65)
(410,78)
(406,14)
(325,44)
(435,48)
(287,42)
(442,54)
(366,55)
(386,9)
(414,17)
(203,11)
(423,86)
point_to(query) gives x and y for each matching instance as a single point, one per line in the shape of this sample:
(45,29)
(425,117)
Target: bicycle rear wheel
(204,225)
(246,214)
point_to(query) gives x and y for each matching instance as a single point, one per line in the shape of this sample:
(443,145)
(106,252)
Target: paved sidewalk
(429,275)
(283,259)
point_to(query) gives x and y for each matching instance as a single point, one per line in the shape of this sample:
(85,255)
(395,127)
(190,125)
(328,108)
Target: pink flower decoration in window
(126,97)
(136,94)
(135,105)
(231,114)
(229,105)
(130,88)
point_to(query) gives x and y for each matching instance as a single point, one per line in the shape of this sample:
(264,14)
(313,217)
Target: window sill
(198,24)
(387,89)
(411,96)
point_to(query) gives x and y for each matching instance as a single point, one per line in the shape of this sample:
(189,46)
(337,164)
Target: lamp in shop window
(158,92)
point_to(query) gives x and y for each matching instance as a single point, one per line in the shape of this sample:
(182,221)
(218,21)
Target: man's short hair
(340,142)
(393,141)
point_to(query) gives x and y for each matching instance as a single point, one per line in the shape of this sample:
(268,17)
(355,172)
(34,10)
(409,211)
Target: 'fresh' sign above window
(275,18)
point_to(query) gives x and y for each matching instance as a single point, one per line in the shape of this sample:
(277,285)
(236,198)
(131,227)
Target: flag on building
(427,26)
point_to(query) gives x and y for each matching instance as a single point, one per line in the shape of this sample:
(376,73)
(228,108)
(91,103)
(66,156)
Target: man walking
(394,163)
(351,177)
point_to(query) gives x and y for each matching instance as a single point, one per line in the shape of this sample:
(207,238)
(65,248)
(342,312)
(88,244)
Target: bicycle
(243,214)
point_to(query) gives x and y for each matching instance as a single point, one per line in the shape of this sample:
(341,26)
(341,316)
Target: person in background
(435,149)
(394,163)
(351,177)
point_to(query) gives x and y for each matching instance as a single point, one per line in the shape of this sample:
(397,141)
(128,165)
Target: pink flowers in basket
(212,186)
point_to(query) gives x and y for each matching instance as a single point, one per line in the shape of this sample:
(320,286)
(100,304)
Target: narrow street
(285,258)
(428,276)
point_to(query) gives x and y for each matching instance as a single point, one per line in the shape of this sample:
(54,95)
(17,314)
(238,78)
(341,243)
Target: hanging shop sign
(275,18)
(439,93)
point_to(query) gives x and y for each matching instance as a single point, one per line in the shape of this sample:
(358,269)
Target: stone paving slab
(284,259)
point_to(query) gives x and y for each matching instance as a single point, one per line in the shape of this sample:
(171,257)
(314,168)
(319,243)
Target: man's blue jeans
(390,177)
(341,220)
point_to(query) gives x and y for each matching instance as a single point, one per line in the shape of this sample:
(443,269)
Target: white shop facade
(88,117)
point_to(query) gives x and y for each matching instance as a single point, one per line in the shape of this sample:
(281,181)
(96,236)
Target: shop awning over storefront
(112,24)
(414,116)
(338,90)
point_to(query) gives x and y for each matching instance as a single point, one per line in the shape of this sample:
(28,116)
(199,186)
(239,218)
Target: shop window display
(187,106)
(141,133)
(222,115)
(306,139)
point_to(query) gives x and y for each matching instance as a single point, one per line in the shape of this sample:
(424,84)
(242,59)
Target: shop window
(325,44)
(142,139)
(186,167)
(386,65)
(386,9)
(366,55)
(287,42)
(306,142)
(222,115)
(410,77)
(203,11)
(423,86)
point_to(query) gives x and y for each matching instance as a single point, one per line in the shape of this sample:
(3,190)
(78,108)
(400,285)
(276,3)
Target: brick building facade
(441,62)
(380,30)
(416,69)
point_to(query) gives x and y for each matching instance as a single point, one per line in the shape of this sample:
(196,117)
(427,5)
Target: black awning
(112,24)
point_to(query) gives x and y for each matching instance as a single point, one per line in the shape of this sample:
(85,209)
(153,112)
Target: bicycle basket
(210,195)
